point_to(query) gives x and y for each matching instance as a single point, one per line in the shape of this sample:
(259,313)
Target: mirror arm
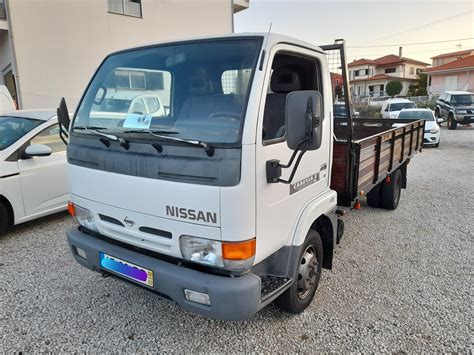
(274,167)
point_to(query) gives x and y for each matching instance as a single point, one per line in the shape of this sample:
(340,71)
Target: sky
(368,23)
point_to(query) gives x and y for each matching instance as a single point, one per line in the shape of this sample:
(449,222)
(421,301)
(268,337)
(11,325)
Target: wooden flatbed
(376,150)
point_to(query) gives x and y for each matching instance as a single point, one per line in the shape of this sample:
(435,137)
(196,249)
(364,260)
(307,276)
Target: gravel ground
(401,282)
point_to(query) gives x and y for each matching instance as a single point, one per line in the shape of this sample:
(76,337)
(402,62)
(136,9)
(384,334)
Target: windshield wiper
(151,131)
(207,148)
(110,137)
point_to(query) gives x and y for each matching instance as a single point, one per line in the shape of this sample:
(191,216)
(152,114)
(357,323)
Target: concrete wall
(59,44)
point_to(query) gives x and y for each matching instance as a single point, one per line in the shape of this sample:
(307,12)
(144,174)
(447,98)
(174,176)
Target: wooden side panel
(339,167)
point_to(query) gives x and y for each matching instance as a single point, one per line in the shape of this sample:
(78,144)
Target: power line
(429,51)
(425,25)
(412,44)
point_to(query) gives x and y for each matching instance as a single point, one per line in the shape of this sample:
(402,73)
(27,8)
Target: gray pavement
(401,282)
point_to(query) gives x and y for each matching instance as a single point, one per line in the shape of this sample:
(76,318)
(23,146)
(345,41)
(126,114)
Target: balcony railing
(3,10)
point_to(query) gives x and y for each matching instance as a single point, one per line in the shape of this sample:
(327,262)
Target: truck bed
(375,151)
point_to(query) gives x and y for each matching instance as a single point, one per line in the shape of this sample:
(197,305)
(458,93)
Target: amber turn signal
(71,209)
(239,250)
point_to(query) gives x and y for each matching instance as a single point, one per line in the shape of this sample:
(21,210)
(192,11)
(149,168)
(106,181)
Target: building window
(412,70)
(3,11)
(125,7)
(390,70)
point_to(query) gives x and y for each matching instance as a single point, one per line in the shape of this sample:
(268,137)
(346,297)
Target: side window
(138,107)
(152,104)
(234,81)
(290,72)
(50,137)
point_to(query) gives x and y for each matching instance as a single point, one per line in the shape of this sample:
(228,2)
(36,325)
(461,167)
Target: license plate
(126,269)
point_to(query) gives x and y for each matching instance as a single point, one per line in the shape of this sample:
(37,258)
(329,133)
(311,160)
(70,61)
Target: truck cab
(224,204)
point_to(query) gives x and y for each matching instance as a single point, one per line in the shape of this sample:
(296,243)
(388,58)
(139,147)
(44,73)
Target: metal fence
(378,101)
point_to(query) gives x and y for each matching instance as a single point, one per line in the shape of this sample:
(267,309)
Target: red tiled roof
(361,62)
(390,59)
(453,54)
(466,62)
(381,77)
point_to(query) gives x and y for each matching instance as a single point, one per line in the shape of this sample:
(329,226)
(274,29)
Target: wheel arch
(320,216)
(9,207)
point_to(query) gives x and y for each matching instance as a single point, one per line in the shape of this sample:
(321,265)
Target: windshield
(464,100)
(401,105)
(13,128)
(195,91)
(418,115)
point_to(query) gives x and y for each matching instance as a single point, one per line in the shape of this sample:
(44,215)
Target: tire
(437,145)
(452,123)
(373,197)
(4,219)
(391,192)
(301,293)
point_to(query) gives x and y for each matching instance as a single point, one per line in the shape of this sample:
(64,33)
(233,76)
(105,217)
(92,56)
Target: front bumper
(430,138)
(465,119)
(234,298)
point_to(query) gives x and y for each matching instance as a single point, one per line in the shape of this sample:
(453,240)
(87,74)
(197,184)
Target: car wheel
(4,219)
(301,293)
(391,191)
(452,124)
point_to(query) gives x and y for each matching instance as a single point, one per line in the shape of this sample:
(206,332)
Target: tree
(394,87)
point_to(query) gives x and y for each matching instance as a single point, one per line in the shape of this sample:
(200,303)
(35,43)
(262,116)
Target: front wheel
(300,294)
(452,123)
(3,219)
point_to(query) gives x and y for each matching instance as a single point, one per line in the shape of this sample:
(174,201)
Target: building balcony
(239,5)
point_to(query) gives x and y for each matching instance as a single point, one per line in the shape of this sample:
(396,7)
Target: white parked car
(6,101)
(33,175)
(392,107)
(432,129)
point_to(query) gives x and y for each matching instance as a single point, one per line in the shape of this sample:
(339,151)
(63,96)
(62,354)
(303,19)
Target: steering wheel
(230,114)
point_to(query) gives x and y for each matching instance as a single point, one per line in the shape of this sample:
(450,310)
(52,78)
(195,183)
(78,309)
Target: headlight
(203,251)
(83,216)
(233,256)
(461,111)
(434,130)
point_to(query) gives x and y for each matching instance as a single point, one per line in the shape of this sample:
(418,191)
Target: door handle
(323,167)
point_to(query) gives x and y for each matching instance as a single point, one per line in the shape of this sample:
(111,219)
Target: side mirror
(440,120)
(37,150)
(303,119)
(64,120)
(63,114)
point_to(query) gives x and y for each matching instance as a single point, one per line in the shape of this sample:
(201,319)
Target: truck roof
(269,39)
(458,92)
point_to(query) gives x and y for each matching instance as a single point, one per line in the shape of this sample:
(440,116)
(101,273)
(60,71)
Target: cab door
(279,205)
(44,179)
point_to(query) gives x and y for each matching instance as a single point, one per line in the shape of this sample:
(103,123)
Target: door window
(153,104)
(289,73)
(138,107)
(50,137)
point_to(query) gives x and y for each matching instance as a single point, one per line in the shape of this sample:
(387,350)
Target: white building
(370,77)
(51,48)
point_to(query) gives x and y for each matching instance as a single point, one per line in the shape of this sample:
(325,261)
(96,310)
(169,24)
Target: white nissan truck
(233,197)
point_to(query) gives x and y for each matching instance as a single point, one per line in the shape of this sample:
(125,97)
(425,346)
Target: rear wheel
(391,191)
(452,124)
(373,197)
(301,292)
(4,219)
